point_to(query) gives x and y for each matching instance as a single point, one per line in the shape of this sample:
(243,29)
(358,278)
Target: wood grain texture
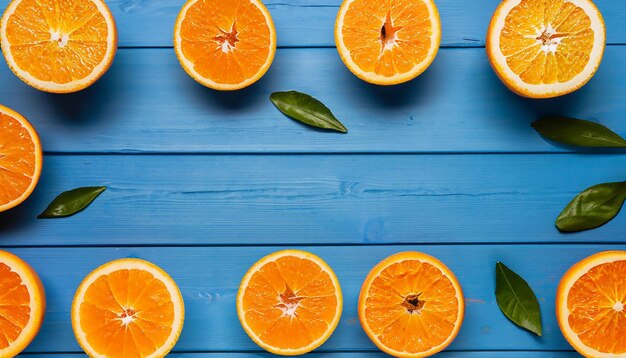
(146,103)
(314,199)
(311,22)
(209,279)
(445,354)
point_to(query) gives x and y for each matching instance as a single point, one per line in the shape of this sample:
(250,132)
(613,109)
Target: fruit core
(618,306)
(227,39)
(127,316)
(549,39)
(288,302)
(388,34)
(413,304)
(61,39)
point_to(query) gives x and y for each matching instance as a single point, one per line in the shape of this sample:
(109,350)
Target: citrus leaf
(592,208)
(306,109)
(517,300)
(71,202)
(578,132)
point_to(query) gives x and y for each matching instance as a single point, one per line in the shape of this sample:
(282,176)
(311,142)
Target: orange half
(21,158)
(411,305)
(289,302)
(225,45)
(22,304)
(591,305)
(128,308)
(58,46)
(542,49)
(387,42)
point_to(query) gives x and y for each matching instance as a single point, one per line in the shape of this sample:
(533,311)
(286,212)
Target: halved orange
(21,158)
(591,305)
(22,304)
(128,308)
(225,45)
(388,42)
(289,302)
(543,49)
(411,305)
(58,46)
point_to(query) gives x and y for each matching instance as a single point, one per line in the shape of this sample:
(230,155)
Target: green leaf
(593,207)
(578,132)
(306,109)
(517,300)
(71,202)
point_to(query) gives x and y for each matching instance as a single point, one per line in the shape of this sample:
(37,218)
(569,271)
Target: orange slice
(225,45)
(543,49)
(128,308)
(411,305)
(591,305)
(388,42)
(58,46)
(289,302)
(21,158)
(22,304)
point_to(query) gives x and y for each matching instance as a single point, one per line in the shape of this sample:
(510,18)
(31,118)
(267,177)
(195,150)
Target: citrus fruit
(127,308)
(387,42)
(58,47)
(289,302)
(225,45)
(411,305)
(591,305)
(22,304)
(543,49)
(21,158)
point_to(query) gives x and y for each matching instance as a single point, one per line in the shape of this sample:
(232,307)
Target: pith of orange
(58,46)
(21,158)
(591,305)
(387,42)
(289,302)
(411,305)
(22,304)
(225,45)
(127,308)
(542,49)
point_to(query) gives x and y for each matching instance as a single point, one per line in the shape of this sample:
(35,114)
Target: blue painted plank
(314,199)
(209,278)
(311,22)
(147,103)
(464,354)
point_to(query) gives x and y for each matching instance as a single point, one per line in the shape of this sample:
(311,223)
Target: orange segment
(289,302)
(387,42)
(20,159)
(128,308)
(411,305)
(22,304)
(58,46)
(545,48)
(591,305)
(225,45)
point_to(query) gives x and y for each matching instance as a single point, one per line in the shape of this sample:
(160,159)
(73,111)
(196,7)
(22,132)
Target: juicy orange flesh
(387,37)
(597,307)
(389,318)
(546,42)
(58,41)
(133,295)
(14,306)
(312,305)
(17,159)
(227,41)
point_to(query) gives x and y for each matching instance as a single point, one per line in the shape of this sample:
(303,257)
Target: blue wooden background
(205,183)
